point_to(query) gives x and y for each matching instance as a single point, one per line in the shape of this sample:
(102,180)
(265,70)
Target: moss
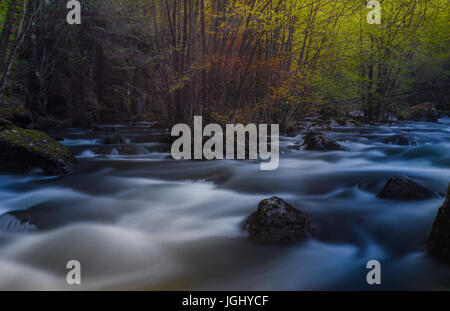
(33,141)
(29,149)
(18,115)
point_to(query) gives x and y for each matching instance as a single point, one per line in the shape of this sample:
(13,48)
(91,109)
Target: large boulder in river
(316,141)
(405,188)
(439,240)
(25,150)
(276,221)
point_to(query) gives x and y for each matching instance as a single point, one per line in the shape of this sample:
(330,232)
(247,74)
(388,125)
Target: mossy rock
(18,115)
(23,150)
(439,240)
(275,221)
(317,141)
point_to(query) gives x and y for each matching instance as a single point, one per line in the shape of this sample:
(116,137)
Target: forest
(230,61)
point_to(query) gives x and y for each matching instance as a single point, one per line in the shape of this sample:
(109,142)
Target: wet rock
(404,140)
(53,214)
(405,188)
(439,240)
(425,112)
(275,221)
(113,140)
(25,150)
(317,141)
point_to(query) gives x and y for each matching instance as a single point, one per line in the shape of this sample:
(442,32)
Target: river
(142,221)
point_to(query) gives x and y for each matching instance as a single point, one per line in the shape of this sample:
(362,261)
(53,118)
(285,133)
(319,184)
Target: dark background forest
(235,61)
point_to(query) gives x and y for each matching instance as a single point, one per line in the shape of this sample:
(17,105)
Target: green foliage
(239,61)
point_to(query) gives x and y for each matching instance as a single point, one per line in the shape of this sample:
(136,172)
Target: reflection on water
(140,221)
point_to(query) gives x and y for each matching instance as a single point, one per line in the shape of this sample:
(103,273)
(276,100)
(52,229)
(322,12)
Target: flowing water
(142,221)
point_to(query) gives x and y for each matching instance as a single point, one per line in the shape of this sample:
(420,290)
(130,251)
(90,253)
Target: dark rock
(49,215)
(425,112)
(405,188)
(404,140)
(24,150)
(276,221)
(316,141)
(113,140)
(439,240)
